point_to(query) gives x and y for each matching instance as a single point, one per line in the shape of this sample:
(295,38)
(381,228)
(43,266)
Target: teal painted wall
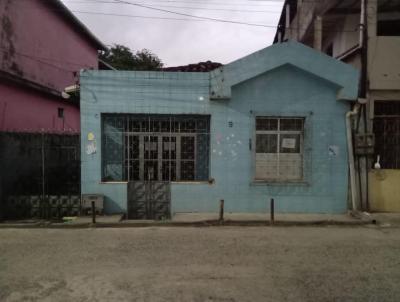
(282,91)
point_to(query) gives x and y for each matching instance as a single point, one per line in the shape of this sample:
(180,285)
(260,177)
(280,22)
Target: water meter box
(87,200)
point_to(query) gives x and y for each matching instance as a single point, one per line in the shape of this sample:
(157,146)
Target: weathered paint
(384,190)
(285,90)
(26,110)
(39,45)
(384,63)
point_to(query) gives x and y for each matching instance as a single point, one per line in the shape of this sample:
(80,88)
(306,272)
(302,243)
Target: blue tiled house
(269,125)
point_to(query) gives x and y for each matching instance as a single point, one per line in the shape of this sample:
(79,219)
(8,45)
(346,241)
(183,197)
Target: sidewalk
(200,219)
(387,219)
(264,219)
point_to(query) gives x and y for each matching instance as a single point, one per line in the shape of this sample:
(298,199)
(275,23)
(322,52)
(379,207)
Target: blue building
(270,125)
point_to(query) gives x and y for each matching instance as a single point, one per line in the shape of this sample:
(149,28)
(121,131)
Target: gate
(39,175)
(149,200)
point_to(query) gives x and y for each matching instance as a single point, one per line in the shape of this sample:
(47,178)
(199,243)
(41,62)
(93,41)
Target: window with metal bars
(140,147)
(387,133)
(279,149)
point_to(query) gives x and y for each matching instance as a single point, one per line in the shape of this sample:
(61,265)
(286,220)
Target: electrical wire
(43,60)
(190,15)
(187,7)
(182,19)
(175,19)
(198,18)
(193,17)
(228,3)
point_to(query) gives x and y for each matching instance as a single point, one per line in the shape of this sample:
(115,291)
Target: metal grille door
(149,200)
(142,147)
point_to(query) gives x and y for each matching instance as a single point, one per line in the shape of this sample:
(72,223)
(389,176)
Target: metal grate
(140,147)
(387,133)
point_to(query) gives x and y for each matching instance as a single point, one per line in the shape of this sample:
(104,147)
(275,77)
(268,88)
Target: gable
(293,53)
(284,82)
(286,90)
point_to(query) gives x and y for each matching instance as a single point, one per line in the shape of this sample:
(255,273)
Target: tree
(122,58)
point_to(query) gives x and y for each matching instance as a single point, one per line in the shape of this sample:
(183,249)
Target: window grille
(155,147)
(279,149)
(387,133)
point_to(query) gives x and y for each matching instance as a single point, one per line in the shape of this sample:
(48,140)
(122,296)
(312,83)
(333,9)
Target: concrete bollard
(93,212)
(272,211)
(221,210)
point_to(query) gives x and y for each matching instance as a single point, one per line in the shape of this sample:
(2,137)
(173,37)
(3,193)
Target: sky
(180,39)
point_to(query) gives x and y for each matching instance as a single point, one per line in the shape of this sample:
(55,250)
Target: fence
(39,176)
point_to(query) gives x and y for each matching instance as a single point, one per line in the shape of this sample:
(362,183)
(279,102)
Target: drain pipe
(351,155)
(362,34)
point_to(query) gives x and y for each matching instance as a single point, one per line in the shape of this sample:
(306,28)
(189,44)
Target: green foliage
(122,58)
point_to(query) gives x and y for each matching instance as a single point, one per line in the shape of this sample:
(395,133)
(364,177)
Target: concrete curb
(206,223)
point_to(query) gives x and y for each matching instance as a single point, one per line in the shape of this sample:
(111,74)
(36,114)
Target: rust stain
(7,41)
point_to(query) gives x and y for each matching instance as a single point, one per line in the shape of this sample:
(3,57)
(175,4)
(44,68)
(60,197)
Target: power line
(171,12)
(198,19)
(43,60)
(186,7)
(202,19)
(174,19)
(230,3)
(136,16)
(192,16)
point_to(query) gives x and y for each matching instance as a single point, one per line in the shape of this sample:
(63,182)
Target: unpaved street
(201,264)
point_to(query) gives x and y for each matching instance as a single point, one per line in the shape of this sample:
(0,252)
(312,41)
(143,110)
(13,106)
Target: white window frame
(278,154)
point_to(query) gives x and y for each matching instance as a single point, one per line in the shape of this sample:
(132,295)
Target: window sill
(202,182)
(279,183)
(112,182)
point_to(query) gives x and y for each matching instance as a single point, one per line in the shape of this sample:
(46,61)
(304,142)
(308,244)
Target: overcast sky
(180,42)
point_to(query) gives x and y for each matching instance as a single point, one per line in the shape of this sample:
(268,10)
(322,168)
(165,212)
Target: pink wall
(40,45)
(25,110)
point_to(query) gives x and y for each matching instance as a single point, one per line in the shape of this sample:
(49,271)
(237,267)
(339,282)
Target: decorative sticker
(90,136)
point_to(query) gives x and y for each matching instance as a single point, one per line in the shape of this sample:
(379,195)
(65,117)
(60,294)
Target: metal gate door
(149,200)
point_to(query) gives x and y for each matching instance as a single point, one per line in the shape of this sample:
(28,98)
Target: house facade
(43,47)
(365,34)
(270,125)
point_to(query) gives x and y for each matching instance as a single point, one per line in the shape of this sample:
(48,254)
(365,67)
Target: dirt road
(201,264)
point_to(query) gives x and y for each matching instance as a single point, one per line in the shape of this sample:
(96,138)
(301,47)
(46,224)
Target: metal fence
(39,176)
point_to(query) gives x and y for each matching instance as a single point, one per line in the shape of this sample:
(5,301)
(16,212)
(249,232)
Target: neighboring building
(43,47)
(271,124)
(365,34)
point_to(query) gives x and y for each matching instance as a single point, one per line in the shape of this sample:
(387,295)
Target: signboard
(289,143)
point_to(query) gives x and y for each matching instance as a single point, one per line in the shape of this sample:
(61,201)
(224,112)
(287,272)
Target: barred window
(155,147)
(279,148)
(387,133)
